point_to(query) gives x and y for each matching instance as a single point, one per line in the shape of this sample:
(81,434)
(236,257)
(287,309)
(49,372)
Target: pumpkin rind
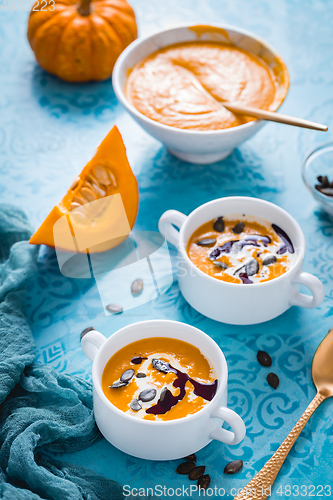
(81,48)
(112,155)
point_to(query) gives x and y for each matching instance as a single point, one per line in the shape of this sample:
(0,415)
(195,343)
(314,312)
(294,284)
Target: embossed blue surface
(49,129)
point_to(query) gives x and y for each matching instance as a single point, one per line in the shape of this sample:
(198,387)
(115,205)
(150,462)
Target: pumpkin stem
(84,8)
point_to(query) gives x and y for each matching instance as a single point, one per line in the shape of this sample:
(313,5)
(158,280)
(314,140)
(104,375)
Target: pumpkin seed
(117,384)
(204,481)
(127,376)
(141,375)
(79,217)
(86,330)
(197,472)
(89,194)
(102,175)
(147,395)
(252,267)
(264,358)
(222,265)
(191,458)
(233,467)
(98,190)
(185,468)
(135,405)
(115,308)
(270,259)
(74,183)
(75,205)
(239,228)
(160,365)
(137,286)
(164,392)
(79,199)
(219,225)
(273,380)
(113,179)
(206,242)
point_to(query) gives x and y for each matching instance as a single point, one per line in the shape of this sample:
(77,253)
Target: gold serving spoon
(259,488)
(262,114)
(272,116)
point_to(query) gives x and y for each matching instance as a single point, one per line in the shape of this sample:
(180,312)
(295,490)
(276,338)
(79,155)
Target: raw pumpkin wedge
(99,210)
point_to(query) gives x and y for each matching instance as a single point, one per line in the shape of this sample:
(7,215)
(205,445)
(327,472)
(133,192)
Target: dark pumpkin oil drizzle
(288,246)
(137,360)
(164,404)
(253,240)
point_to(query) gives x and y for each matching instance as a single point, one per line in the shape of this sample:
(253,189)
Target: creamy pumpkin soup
(241,249)
(183,85)
(159,379)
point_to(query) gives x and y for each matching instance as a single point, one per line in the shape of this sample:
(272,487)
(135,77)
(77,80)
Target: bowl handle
(166,224)
(235,422)
(316,288)
(91,342)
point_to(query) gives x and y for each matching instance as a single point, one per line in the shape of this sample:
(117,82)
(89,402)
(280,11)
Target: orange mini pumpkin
(80,42)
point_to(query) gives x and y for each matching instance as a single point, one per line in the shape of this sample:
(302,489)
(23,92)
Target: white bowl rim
(300,254)
(120,94)
(222,382)
(316,194)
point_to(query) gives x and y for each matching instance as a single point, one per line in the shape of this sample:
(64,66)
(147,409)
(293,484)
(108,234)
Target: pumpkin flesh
(100,207)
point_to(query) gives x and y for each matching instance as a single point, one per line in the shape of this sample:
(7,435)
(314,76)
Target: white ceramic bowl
(235,303)
(190,145)
(161,440)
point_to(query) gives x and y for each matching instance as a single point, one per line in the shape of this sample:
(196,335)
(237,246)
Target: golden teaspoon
(262,114)
(259,488)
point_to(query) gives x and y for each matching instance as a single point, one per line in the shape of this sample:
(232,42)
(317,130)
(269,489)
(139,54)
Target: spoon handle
(273,117)
(259,488)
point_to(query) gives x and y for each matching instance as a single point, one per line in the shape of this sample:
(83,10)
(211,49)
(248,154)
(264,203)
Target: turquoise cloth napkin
(42,411)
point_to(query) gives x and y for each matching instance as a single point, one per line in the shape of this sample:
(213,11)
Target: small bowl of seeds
(317,173)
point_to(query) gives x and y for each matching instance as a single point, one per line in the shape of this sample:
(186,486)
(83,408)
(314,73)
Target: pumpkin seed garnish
(127,376)
(206,242)
(239,228)
(135,405)
(160,365)
(270,259)
(117,384)
(252,267)
(147,395)
(219,225)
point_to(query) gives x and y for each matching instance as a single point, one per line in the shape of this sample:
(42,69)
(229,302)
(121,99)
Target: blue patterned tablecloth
(49,129)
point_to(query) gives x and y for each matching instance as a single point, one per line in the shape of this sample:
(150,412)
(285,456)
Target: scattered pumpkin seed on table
(273,380)
(115,308)
(233,467)
(85,331)
(137,287)
(185,468)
